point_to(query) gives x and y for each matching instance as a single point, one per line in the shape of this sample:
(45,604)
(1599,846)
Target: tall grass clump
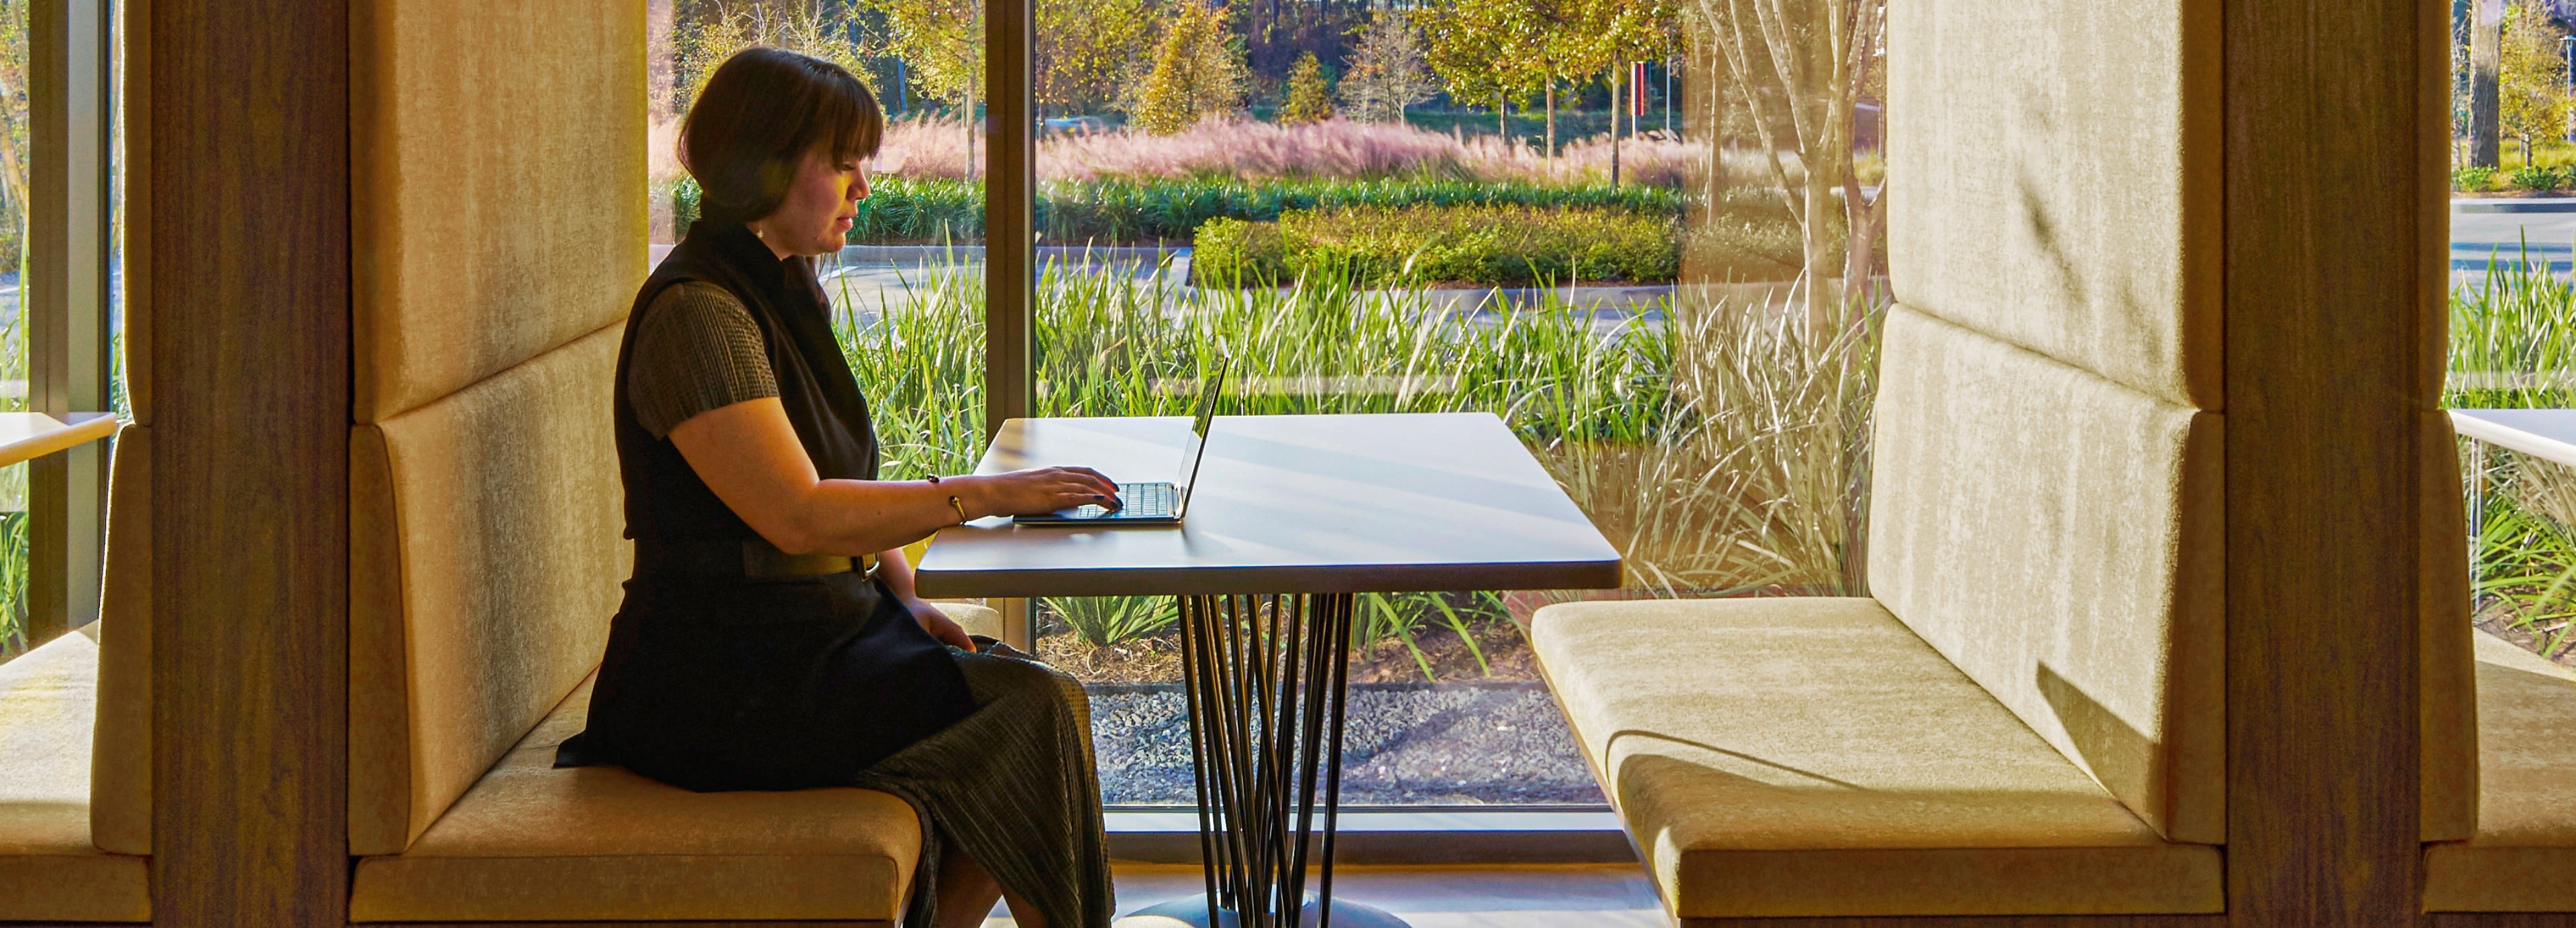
(1337,149)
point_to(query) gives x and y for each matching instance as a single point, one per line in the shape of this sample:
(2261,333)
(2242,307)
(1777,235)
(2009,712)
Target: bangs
(844,118)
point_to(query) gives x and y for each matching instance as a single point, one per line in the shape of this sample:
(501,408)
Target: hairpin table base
(1264,677)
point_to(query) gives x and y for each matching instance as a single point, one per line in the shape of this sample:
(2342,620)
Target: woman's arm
(749,455)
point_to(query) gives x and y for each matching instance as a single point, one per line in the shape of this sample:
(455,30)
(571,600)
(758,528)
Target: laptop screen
(1208,392)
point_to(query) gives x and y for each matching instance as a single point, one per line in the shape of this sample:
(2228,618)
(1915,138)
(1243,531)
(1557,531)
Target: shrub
(1488,245)
(1235,253)
(1121,211)
(2473,178)
(1117,212)
(2536,178)
(1101,621)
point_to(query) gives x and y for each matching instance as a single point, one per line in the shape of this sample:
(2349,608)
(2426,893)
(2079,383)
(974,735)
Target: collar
(735,245)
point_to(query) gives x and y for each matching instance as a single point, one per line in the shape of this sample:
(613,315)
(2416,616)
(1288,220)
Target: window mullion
(1010,242)
(63,295)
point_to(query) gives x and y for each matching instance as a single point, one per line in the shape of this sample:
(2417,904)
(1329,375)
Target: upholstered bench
(50,868)
(2525,844)
(485,563)
(1813,757)
(2026,719)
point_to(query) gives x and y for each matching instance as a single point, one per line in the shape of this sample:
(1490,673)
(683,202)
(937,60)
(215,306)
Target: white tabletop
(2548,434)
(1288,504)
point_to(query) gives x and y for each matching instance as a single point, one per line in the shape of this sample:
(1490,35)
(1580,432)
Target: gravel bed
(1404,744)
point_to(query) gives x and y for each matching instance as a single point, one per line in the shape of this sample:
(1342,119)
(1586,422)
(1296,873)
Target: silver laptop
(1152,503)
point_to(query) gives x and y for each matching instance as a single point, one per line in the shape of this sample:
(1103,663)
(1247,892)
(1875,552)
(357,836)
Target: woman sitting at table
(770,637)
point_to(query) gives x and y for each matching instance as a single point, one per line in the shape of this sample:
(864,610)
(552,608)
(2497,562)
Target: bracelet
(961,510)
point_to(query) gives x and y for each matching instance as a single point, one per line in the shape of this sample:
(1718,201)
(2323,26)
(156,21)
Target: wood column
(2326,288)
(243,212)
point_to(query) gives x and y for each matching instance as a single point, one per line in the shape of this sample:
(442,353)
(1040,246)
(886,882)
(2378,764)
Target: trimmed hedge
(1118,212)
(1482,245)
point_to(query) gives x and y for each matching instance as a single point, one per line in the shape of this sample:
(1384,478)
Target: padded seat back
(120,773)
(2046,499)
(492,280)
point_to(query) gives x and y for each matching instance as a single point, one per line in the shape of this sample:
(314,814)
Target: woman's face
(821,203)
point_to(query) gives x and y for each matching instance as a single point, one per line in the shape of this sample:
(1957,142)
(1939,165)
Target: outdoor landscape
(1512,207)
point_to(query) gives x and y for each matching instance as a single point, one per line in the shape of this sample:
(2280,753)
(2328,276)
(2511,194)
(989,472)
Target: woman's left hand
(937,623)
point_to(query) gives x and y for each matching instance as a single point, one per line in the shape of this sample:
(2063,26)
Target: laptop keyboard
(1144,500)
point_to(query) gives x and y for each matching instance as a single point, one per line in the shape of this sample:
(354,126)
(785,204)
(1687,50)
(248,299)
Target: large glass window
(1464,206)
(60,300)
(1615,225)
(2513,315)
(14,73)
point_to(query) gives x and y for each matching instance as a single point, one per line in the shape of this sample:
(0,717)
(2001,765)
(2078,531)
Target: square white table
(1291,515)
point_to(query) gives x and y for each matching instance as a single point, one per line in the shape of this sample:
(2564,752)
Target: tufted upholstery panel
(2058,536)
(484,565)
(2081,141)
(121,768)
(498,165)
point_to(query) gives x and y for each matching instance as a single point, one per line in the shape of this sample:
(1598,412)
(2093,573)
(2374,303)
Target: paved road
(2481,230)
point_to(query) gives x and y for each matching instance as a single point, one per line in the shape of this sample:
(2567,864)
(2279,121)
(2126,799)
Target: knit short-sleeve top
(698,350)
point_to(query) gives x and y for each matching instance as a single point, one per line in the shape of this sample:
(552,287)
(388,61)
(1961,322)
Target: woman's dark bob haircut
(764,109)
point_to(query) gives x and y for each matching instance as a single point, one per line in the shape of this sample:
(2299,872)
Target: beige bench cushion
(1812,757)
(49,870)
(531,842)
(2525,845)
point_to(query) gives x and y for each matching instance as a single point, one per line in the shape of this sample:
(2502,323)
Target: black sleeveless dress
(717,680)
(714,680)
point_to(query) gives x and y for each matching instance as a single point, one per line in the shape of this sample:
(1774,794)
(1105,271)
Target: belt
(758,560)
(763,561)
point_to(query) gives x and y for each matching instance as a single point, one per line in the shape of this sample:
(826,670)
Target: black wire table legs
(1264,677)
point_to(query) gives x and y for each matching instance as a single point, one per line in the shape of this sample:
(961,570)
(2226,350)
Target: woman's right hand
(1043,490)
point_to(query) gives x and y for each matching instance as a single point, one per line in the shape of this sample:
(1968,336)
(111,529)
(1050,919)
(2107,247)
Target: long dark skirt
(1014,786)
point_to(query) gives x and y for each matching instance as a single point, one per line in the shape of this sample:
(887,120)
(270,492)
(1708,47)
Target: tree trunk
(2486,46)
(1617,71)
(1503,118)
(1551,121)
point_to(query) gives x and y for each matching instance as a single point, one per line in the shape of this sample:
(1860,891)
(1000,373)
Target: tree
(1485,50)
(1085,48)
(1625,31)
(2531,78)
(942,42)
(1386,71)
(704,45)
(1308,99)
(2486,33)
(1802,64)
(1198,72)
